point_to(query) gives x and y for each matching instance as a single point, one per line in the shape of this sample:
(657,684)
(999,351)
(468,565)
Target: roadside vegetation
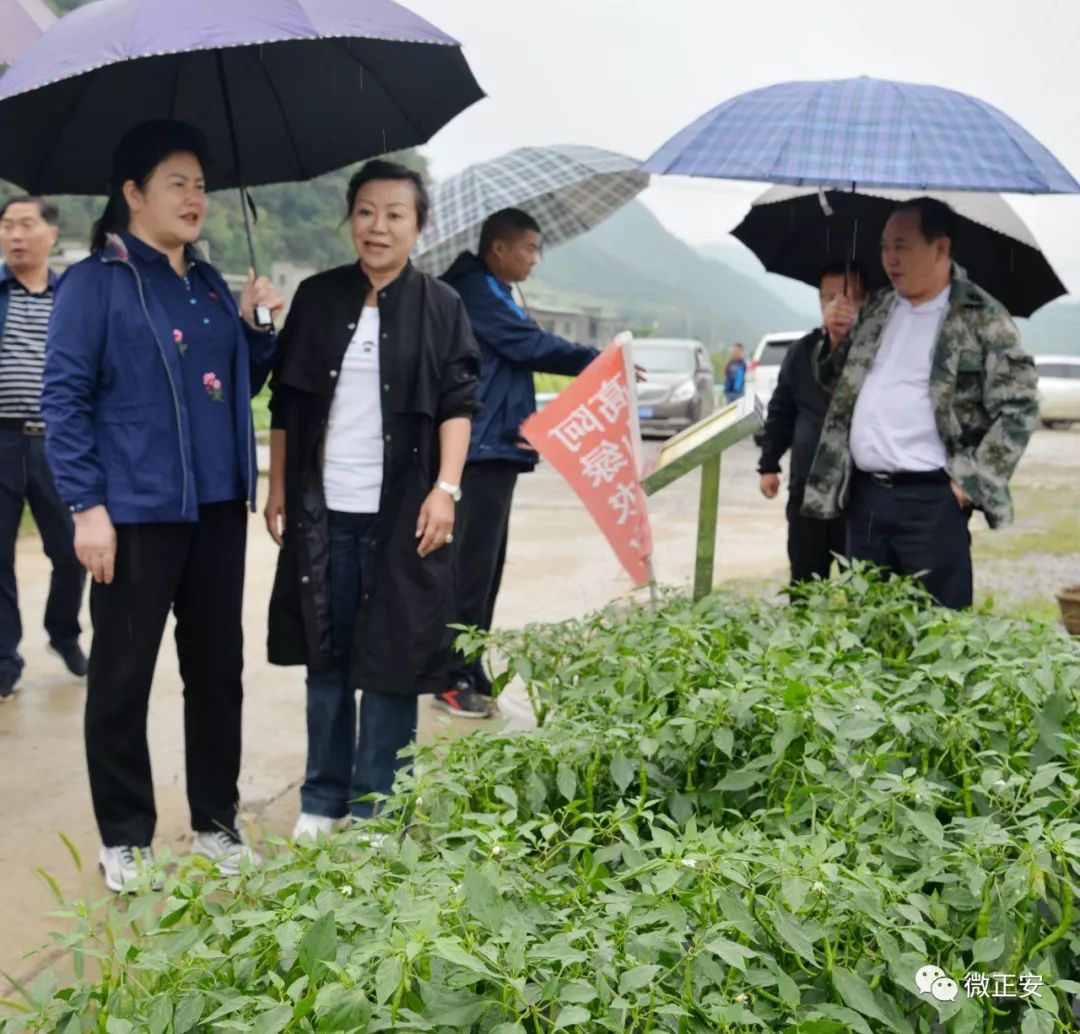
(732,816)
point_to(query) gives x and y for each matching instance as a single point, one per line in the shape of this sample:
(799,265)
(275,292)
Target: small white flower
(347,890)
(496,849)
(419,800)
(818,888)
(690,863)
(741,998)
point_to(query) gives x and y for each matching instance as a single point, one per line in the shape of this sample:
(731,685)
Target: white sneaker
(225,849)
(122,867)
(314,826)
(360,833)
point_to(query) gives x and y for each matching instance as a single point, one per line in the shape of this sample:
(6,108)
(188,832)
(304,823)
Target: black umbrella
(796,231)
(283,89)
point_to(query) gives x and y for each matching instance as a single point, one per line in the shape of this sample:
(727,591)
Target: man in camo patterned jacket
(934,401)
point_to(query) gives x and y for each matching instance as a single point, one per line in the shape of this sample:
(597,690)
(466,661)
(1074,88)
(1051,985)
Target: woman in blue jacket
(149,375)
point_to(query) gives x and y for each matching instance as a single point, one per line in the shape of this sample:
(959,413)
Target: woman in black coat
(373,397)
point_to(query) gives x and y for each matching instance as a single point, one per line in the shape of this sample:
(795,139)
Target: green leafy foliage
(733,816)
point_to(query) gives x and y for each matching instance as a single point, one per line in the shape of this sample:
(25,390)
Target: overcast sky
(627,74)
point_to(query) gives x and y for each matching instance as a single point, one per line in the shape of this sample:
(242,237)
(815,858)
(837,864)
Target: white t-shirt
(893,427)
(353,461)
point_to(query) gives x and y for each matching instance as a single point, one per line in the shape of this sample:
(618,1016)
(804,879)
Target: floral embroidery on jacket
(178,337)
(213,387)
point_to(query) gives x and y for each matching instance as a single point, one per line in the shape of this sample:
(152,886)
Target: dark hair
(505,225)
(136,157)
(380,169)
(936,219)
(49,212)
(842,267)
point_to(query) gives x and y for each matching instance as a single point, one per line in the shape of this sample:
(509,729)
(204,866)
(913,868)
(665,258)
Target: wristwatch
(451,490)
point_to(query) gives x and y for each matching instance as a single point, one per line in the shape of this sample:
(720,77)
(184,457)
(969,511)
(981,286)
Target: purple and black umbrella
(284,90)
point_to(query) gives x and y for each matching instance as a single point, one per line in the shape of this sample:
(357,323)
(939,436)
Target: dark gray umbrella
(795,231)
(21,22)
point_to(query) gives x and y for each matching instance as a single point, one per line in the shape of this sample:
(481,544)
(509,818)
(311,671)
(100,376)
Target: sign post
(702,446)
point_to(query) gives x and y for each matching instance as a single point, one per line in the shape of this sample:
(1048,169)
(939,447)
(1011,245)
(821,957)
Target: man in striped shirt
(28,232)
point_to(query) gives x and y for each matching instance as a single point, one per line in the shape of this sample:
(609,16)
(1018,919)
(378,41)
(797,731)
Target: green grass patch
(733,816)
(260,410)
(550,382)
(1048,521)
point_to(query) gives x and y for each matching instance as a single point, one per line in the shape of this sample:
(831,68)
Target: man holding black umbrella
(796,412)
(934,401)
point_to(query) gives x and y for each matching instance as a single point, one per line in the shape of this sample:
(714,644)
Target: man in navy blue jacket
(513,347)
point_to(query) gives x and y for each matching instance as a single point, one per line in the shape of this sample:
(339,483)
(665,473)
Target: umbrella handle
(263,318)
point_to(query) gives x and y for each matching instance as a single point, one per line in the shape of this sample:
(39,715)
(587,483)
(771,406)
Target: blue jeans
(344,764)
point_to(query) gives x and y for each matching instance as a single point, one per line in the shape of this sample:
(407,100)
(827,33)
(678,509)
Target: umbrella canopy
(793,233)
(21,22)
(857,133)
(567,189)
(314,85)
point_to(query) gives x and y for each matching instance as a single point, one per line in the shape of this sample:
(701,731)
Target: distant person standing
(28,233)
(796,412)
(735,375)
(513,347)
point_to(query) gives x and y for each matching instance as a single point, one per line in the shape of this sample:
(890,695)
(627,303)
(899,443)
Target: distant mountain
(635,267)
(738,257)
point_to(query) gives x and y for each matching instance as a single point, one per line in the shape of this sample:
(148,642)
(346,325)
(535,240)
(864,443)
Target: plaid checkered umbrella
(567,189)
(851,133)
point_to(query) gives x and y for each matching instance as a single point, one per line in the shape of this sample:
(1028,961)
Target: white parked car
(1059,389)
(764,370)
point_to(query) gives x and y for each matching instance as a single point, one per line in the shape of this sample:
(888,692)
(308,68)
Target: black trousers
(25,478)
(914,529)
(197,571)
(481,532)
(811,543)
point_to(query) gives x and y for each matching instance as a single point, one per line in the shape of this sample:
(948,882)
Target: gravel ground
(1036,576)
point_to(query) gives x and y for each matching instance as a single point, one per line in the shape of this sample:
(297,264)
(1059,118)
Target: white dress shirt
(893,427)
(353,463)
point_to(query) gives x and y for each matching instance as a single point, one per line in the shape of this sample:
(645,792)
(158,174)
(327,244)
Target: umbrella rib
(48,152)
(401,111)
(284,118)
(175,88)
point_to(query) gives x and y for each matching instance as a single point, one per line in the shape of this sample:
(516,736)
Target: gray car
(679,385)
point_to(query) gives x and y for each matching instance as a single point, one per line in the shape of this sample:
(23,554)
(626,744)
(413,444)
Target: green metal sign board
(702,446)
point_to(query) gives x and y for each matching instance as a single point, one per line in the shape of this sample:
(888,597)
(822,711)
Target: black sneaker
(72,656)
(462,700)
(7,685)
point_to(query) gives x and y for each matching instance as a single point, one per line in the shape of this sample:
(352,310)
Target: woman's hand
(95,543)
(435,526)
(275,513)
(258,292)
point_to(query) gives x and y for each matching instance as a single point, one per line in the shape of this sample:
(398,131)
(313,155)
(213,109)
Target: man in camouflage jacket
(908,503)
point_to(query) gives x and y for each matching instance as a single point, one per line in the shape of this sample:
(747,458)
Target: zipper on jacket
(249,424)
(172,383)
